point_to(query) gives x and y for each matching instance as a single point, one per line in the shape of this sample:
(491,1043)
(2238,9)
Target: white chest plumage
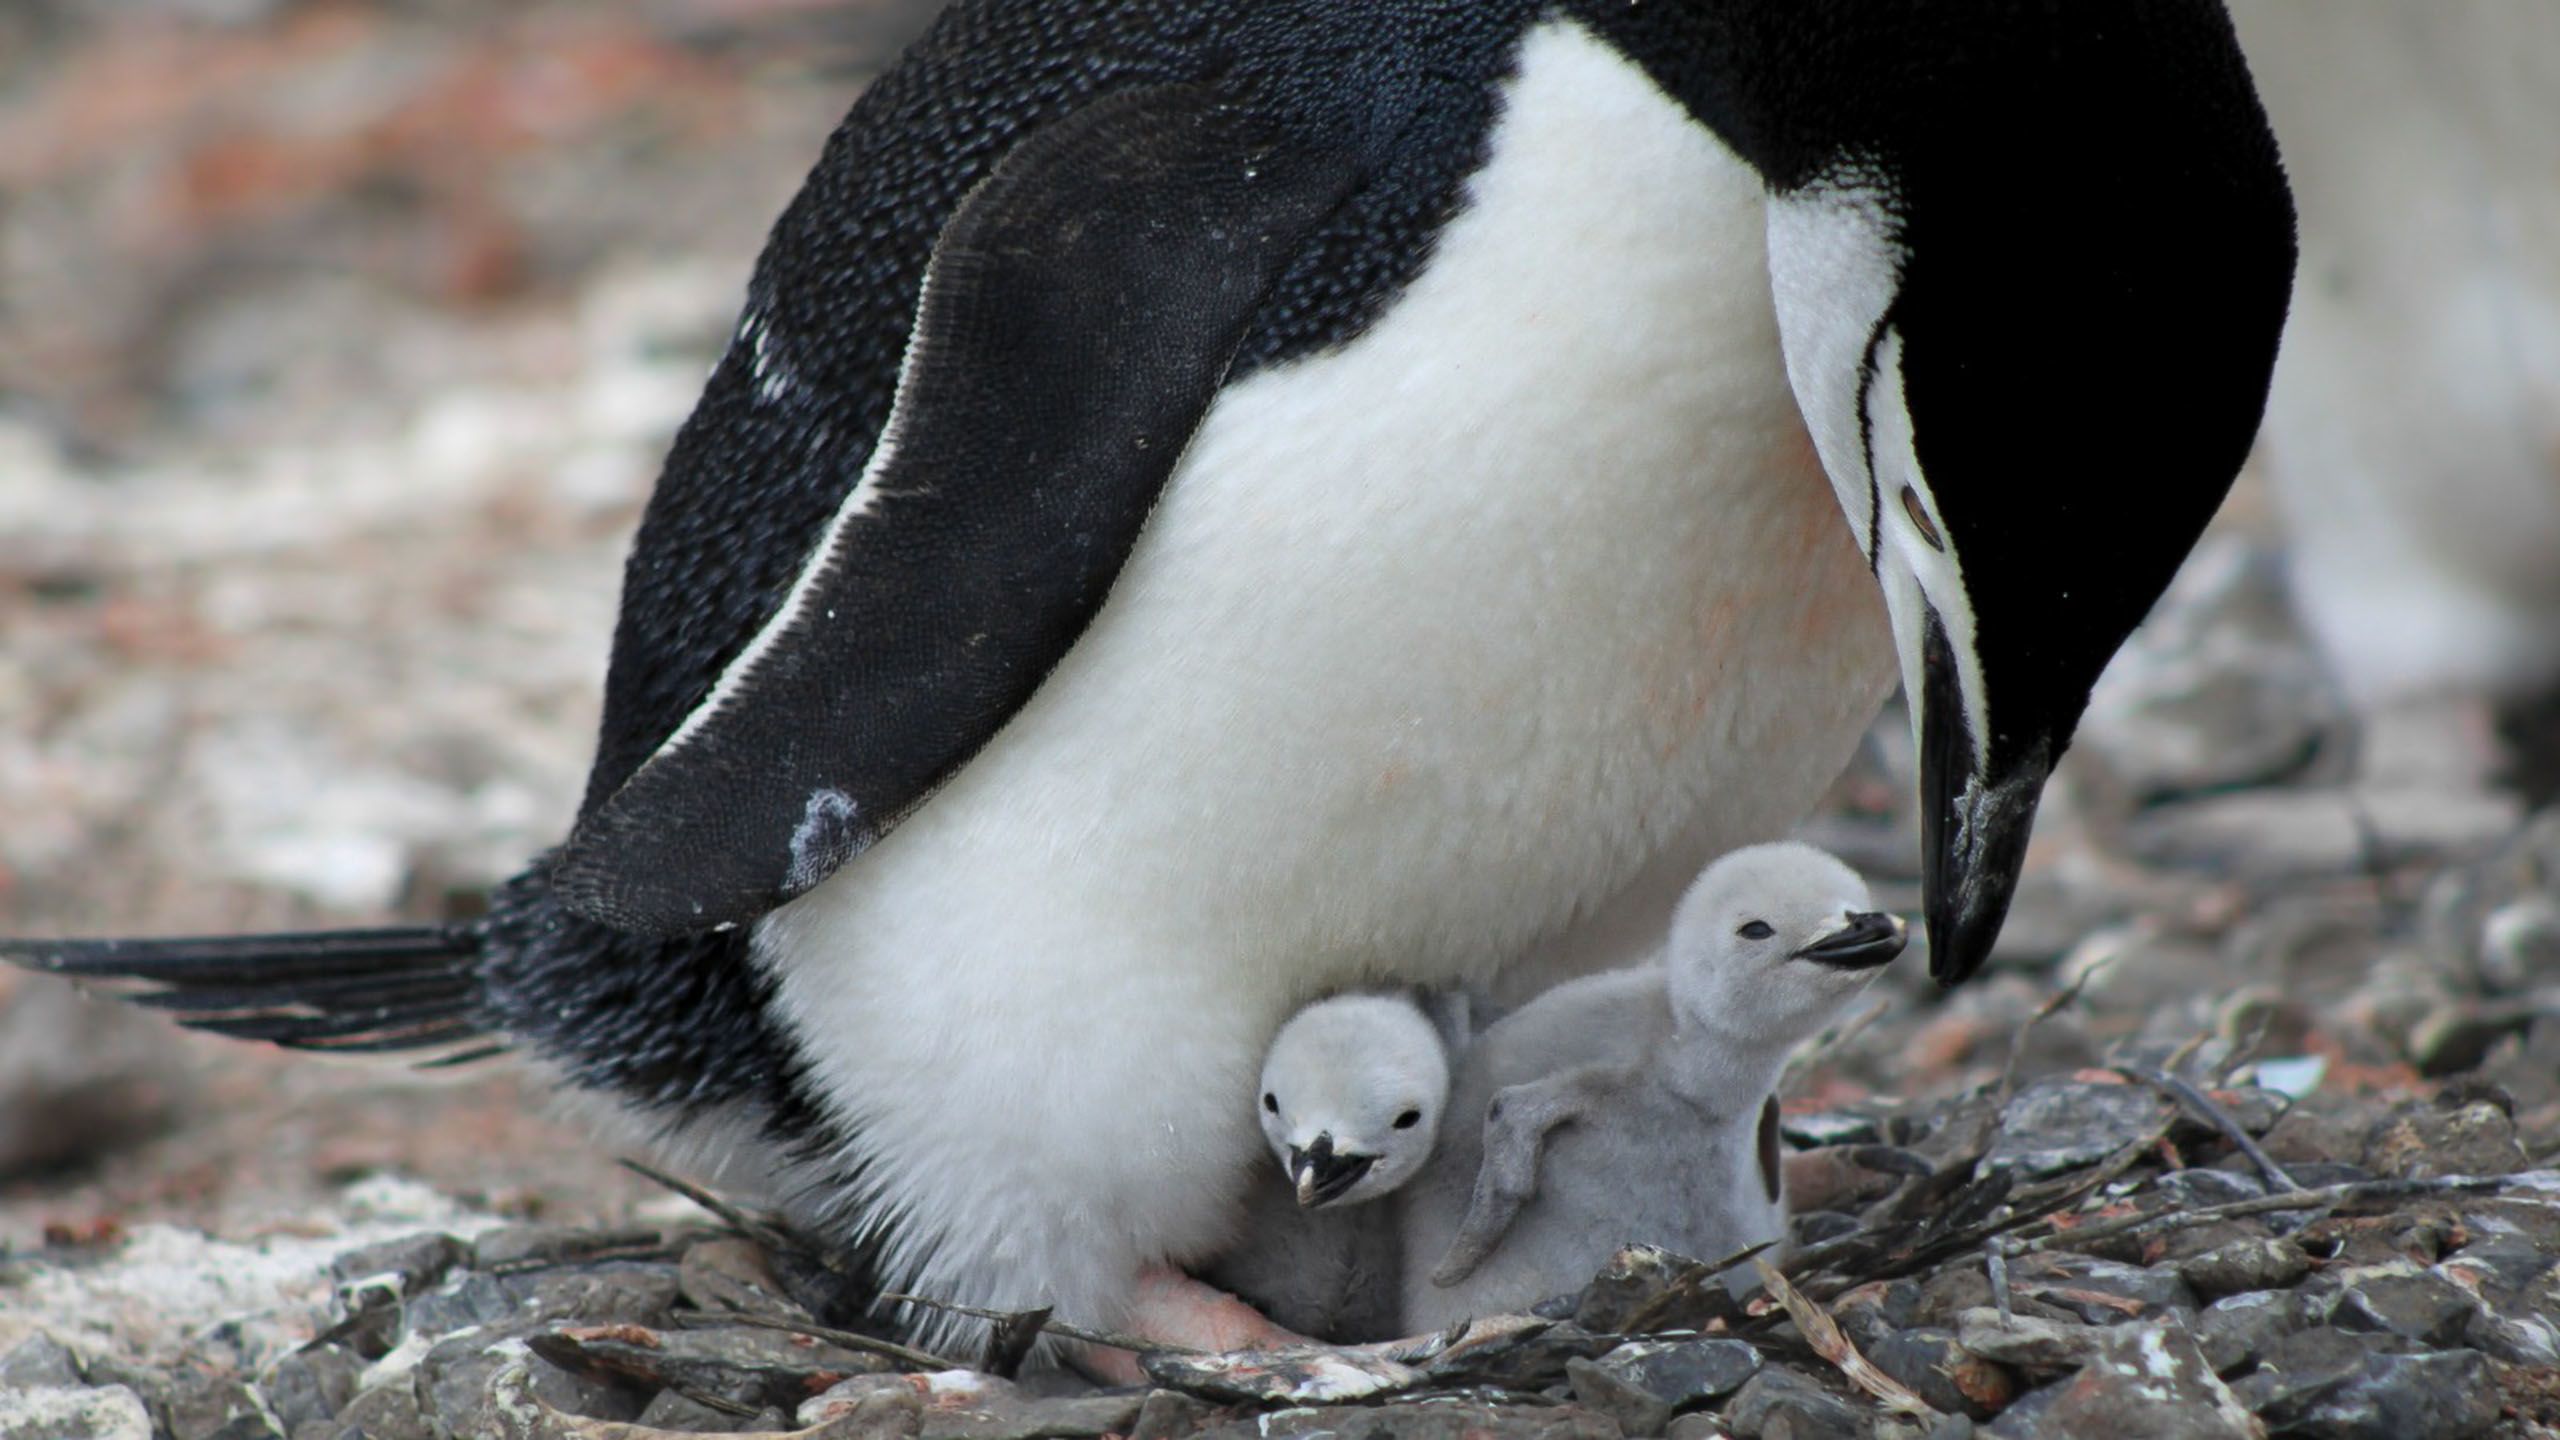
(1436,645)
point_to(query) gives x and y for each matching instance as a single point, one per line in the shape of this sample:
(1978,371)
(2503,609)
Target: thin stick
(1823,1333)
(2202,1104)
(2064,996)
(2319,1199)
(729,1215)
(1108,1339)
(849,1339)
(1995,1268)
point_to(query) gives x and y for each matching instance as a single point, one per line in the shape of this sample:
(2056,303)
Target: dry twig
(849,1339)
(2177,1089)
(2052,1006)
(2319,1199)
(1823,1334)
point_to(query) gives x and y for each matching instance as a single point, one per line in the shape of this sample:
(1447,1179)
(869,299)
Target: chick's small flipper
(1515,1136)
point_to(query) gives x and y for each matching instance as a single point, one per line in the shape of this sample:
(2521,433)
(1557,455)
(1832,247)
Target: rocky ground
(342,342)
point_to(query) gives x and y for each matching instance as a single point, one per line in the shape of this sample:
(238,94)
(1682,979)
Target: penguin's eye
(1755,930)
(1919,514)
(1408,1119)
(1271,1102)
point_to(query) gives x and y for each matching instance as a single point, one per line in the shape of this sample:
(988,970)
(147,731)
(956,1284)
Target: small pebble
(2262,1264)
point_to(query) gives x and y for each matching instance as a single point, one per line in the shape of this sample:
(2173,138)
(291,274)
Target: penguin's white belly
(1433,642)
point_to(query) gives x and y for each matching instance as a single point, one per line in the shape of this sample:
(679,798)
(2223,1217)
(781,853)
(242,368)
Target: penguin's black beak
(1869,939)
(1973,826)
(1323,1174)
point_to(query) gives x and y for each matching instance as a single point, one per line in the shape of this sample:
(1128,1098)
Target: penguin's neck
(1723,1068)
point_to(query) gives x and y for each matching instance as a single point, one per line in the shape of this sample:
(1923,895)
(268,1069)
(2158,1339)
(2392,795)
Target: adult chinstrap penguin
(1210,504)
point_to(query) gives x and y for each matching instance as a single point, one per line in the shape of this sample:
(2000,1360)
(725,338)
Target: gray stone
(1876,1308)
(2524,1337)
(2026,1342)
(2419,1305)
(1687,1427)
(2193,1189)
(2056,1125)
(252,1426)
(2268,836)
(2520,941)
(871,1405)
(999,1411)
(1170,1415)
(2254,1108)
(1643,1283)
(406,1267)
(1434,1420)
(2101,1292)
(1933,1365)
(1521,1357)
(1781,1404)
(2186,1242)
(745,1366)
(2142,1382)
(671,1411)
(2502,1264)
(2235,1330)
(40,1363)
(1632,1409)
(2245,1265)
(731,1274)
(2460,1034)
(388,1411)
(462,1302)
(2308,1360)
(518,1246)
(2314,1174)
(201,1406)
(610,1293)
(65,1413)
(310,1385)
(1315,1375)
(2474,1139)
(1643,1384)
(453,1381)
(2447,1395)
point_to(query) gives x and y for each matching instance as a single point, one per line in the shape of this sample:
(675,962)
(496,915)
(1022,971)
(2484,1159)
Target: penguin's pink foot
(1171,1308)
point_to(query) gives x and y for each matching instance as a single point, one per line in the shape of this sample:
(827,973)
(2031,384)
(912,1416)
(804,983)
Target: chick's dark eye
(1408,1119)
(1755,930)
(1271,1103)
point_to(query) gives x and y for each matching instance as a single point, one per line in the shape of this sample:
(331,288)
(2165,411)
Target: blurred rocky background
(339,343)
(340,339)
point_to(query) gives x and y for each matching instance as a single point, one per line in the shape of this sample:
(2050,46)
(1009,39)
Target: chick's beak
(1866,940)
(1322,1174)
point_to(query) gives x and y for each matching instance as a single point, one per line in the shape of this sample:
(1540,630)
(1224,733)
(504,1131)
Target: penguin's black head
(2031,262)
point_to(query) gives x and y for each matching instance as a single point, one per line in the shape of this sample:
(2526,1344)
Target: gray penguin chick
(1639,1105)
(1352,1094)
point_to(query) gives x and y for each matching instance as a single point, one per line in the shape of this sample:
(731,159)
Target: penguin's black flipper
(1077,318)
(345,992)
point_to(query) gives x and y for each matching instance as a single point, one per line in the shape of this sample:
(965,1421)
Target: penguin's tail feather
(343,992)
